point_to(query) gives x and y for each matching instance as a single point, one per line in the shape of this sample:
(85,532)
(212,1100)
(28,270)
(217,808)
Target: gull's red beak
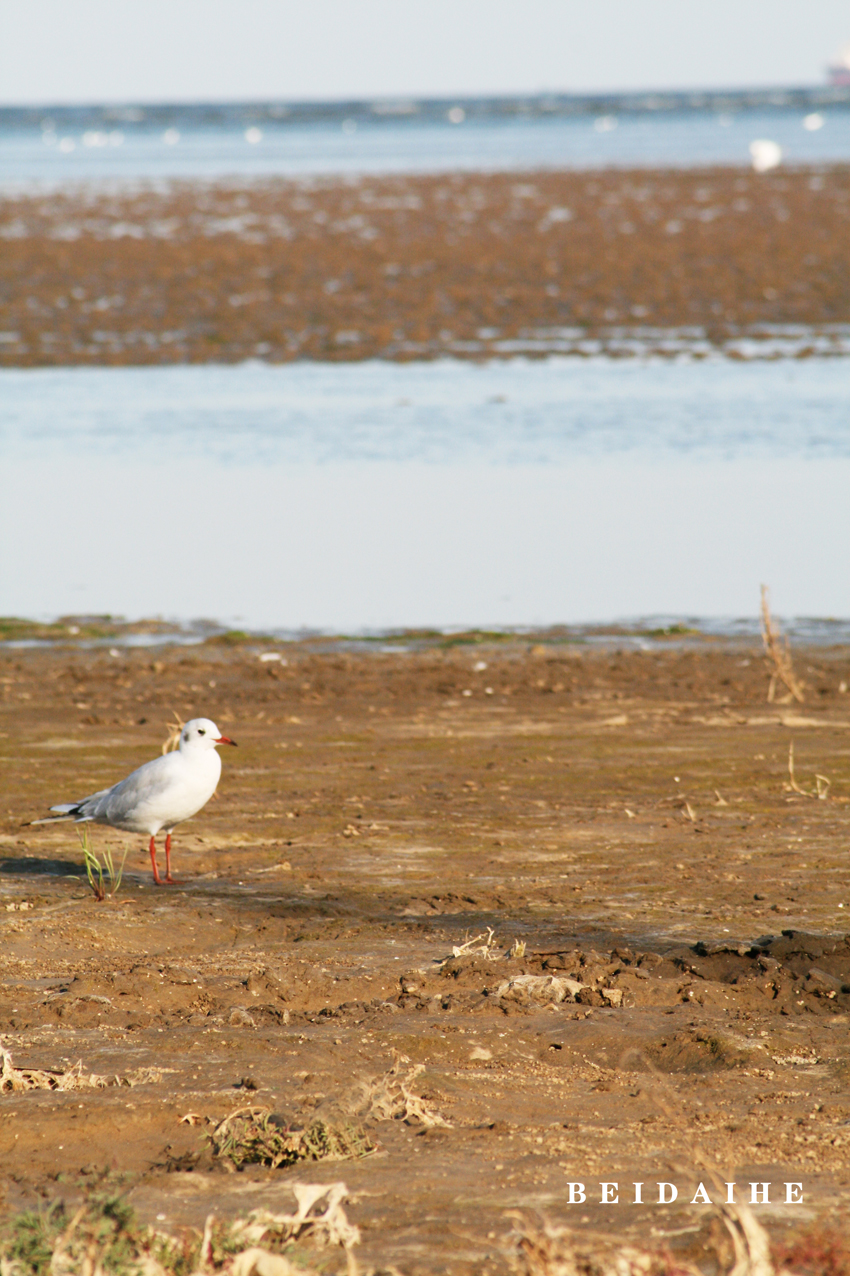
(223,739)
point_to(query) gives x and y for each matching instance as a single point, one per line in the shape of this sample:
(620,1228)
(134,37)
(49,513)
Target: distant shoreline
(657,632)
(143,115)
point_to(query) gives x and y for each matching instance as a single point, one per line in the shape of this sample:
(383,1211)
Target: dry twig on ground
(822,782)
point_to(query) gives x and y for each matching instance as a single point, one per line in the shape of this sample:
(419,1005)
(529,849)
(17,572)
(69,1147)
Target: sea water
(378,495)
(68,152)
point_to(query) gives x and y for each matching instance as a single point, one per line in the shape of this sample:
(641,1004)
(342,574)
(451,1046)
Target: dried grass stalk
(750,1242)
(174,729)
(778,654)
(259,1262)
(822,782)
(792,779)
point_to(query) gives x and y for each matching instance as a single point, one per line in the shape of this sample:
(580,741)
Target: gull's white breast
(161,793)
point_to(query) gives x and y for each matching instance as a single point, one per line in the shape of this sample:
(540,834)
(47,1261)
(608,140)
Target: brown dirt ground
(406,267)
(626,815)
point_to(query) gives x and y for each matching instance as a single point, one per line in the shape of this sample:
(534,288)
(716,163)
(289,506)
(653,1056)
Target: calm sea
(376,495)
(59,150)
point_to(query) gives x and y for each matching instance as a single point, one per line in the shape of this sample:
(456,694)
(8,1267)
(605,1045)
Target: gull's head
(202,733)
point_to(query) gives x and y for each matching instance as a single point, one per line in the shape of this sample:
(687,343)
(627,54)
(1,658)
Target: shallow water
(450,411)
(374,495)
(690,139)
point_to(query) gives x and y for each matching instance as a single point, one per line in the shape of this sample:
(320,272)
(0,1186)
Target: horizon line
(835,92)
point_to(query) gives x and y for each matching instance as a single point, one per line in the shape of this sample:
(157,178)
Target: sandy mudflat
(625,816)
(408,267)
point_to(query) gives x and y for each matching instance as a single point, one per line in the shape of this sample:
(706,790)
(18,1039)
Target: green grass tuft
(101,874)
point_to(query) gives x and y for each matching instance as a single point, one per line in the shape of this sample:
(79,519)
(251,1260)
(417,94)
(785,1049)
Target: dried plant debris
(14,1080)
(143,1076)
(778,656)
(750,1242)
(820,1246)
(391,1098)
(545,989)
(258,1136)
(822,782)
(17,1080)
(545,1250)
(174,729)
(103,1236)
(320,1215)
(480,945)
(334,1141)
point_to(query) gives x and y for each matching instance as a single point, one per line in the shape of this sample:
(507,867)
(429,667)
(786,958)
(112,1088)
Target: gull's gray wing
(114,805)
(74,810)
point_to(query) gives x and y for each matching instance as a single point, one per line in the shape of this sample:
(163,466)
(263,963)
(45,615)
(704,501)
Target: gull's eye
(201,731)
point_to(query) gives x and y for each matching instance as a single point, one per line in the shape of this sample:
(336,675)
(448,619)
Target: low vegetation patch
(102,1237)
(257,1136)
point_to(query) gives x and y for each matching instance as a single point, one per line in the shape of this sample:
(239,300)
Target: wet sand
(411,267)
(626,816)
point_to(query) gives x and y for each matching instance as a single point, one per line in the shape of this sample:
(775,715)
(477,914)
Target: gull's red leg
(169,879)
(156,877)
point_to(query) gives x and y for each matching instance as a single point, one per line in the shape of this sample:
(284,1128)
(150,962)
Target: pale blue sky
(156,50)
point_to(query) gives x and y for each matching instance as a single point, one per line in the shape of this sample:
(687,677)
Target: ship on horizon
(839,71)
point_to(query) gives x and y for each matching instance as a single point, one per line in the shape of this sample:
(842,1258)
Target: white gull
(160,794)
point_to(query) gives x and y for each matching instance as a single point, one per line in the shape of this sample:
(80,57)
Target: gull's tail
(67,811)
